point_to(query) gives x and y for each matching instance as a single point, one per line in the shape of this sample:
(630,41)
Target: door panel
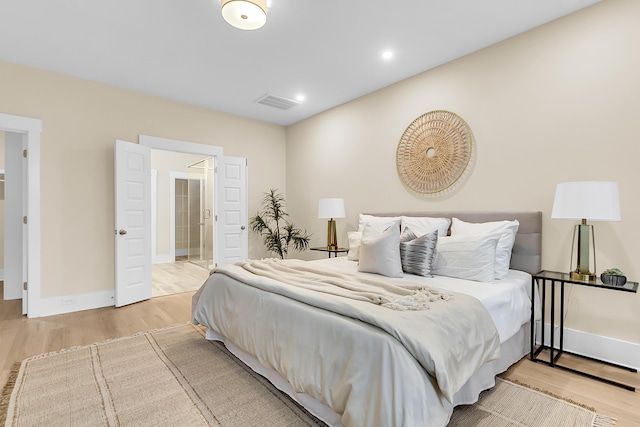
(133,223)
(232,235)
(15,231)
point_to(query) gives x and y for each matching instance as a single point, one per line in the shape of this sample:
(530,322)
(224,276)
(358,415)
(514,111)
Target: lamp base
(583,277)
(332,237)
(585,244)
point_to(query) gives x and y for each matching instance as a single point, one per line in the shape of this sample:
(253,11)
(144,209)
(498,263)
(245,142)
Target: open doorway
(21,230)
(182,221)
(136,222)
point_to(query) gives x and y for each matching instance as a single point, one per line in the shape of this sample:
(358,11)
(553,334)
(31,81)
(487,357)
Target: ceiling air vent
(276,102)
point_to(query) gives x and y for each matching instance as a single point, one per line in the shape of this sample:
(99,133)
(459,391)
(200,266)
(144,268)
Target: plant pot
(610,279)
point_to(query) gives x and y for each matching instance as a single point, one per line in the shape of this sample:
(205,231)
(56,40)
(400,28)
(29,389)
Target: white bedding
(508,301)
(359,371)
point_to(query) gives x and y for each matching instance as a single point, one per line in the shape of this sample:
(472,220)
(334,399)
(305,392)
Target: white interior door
(232,232)
(15,230)
(133,223)
(22,224)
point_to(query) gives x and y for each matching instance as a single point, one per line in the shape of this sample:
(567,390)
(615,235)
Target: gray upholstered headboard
(527,250)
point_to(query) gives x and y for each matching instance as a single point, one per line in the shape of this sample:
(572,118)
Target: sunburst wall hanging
(434,152)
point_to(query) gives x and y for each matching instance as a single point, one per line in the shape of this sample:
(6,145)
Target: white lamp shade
(331,208)
(245,14)
(593,200)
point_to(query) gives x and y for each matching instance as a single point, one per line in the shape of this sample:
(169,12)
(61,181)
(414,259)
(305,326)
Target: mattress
(352,371)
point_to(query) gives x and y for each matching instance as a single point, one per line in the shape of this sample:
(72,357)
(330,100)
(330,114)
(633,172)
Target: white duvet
(359,370)
(508,301)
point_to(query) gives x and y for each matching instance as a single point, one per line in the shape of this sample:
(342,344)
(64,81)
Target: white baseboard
(72,303)
(182,252)
(1,273)
(161,259)
(596,346)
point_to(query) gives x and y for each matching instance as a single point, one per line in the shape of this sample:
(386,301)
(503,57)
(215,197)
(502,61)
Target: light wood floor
(21,338)
(175,277)
(606,399)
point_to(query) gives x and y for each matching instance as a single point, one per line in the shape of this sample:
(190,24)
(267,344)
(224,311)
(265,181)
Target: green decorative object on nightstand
(613,276)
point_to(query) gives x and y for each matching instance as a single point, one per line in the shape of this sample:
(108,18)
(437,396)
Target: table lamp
(331,208)
(585,200)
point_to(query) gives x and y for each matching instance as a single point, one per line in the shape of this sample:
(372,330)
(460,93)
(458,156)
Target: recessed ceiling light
(300,98)
(387,55)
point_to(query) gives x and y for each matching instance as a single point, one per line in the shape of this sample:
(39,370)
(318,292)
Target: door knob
(122,232)
(242,227)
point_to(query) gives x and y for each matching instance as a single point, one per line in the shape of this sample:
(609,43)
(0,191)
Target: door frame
(30,129)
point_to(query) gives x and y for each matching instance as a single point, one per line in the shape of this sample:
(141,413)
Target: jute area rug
(174,377)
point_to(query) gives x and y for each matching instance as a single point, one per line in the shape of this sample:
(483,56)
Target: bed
(350,362)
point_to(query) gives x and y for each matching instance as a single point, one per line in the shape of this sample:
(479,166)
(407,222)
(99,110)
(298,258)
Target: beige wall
(558,103)
(80,121)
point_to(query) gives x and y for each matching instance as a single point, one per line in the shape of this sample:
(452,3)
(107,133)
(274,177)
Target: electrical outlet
(68,300)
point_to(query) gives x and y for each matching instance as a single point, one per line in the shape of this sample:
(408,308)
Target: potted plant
(276,231)
(613,276)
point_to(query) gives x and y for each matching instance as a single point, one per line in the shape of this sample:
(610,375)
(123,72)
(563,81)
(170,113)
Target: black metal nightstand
(554,353)
(335,251)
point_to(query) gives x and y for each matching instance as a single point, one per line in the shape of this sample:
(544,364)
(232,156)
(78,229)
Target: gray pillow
(416,253)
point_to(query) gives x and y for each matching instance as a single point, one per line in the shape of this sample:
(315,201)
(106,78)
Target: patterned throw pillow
(416,253)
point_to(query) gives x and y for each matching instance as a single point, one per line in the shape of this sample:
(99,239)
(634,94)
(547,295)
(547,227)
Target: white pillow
(424,225)
(379,223)
(354,245)
(380,251)
(507,231)
(466,257)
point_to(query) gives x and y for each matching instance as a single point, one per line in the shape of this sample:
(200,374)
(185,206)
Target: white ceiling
(328,50)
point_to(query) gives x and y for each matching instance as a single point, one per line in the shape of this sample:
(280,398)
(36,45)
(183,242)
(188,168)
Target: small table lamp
(583,200)
(331,208)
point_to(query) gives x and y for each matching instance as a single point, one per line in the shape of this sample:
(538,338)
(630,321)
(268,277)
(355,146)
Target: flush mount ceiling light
(245,14)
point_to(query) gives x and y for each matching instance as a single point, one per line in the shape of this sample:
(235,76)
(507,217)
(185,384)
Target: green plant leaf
(277,233)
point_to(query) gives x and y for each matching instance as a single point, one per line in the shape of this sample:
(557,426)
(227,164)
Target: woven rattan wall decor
(434,152)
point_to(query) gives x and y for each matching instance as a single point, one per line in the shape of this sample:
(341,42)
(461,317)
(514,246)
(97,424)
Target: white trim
(19,124)
(2,274)
(78,302)
(611,350)
(182,252)
(154,219)
(32,129)
(165,144)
